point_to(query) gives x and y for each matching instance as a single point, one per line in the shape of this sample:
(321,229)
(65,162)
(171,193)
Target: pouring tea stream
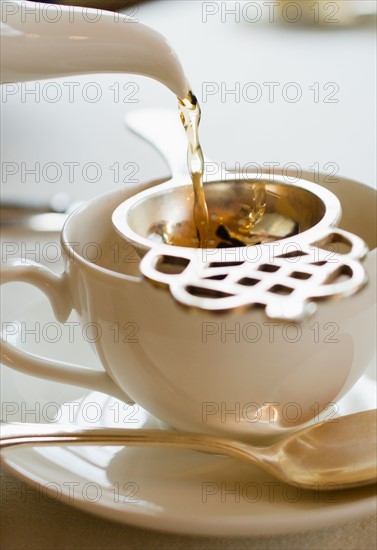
(37,48)
(83,42)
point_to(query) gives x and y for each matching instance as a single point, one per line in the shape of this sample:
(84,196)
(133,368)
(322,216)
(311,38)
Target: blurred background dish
(323,12)
(347,12)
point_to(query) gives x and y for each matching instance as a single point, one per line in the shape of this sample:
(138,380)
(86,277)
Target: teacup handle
(57,291)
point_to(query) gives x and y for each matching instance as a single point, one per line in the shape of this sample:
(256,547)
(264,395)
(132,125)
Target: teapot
(38,43)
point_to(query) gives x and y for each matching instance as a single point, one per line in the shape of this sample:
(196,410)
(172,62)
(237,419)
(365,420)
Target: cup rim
(75,256)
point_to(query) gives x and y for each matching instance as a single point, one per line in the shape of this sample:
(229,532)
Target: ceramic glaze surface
(39,44)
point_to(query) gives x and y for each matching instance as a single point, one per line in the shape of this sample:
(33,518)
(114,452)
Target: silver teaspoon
(336,454)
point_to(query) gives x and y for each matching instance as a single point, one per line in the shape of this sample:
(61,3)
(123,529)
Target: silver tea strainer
(286,275)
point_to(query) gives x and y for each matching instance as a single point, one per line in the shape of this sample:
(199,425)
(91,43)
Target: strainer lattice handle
(286,278)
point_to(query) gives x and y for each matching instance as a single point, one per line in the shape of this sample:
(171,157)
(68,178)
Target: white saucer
(170,490)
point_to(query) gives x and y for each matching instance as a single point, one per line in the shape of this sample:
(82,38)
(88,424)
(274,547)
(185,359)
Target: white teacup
(235,374)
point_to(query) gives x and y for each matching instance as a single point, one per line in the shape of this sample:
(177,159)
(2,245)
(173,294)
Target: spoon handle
(23,434)
(162,129)
(14,434)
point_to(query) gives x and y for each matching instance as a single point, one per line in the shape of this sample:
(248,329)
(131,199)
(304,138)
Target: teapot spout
(37,44)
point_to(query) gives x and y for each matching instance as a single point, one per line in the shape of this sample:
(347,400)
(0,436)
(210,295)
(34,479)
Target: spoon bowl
(336,454)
